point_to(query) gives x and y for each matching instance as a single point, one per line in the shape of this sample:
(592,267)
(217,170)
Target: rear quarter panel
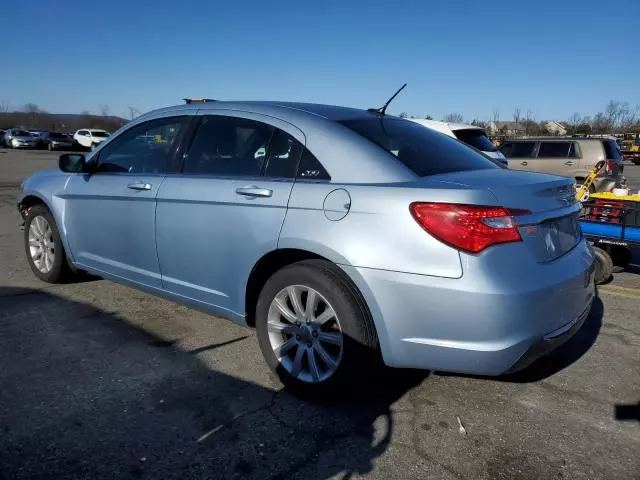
(378,231)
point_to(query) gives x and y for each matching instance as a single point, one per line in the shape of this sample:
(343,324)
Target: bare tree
(630,117)
(574,121)
(104,110)
(516,116)
(4,106)
(404,115)
(614,111)
(600,123)
(453,118)
(133,112)
(31,108)
(529,122)
(428,117)
(495,118)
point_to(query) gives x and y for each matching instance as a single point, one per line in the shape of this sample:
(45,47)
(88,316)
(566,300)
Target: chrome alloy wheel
(305,333)
(41,245)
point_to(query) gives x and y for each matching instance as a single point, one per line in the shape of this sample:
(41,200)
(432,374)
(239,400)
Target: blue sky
(551,57)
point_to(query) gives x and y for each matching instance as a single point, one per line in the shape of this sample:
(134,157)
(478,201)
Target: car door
(226,209)
(558,158)
(520,154)
(110,213)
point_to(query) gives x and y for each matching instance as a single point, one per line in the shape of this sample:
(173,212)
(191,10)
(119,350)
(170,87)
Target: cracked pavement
(101,381)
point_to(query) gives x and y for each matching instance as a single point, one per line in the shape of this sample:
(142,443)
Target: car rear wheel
(314,331)
(45,252)
(604,266)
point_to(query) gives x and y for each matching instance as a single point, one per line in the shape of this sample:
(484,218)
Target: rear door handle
(569,163)
(524,164)
(139,186)
(254,191)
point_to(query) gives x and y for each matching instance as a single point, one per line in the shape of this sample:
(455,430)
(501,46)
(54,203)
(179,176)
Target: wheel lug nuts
(297,337)
(314,333)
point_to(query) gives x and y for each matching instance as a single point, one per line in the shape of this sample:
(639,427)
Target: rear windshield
(98,133)
(57,135)
(611,150)
(517,149)
(422,150)
(476,138)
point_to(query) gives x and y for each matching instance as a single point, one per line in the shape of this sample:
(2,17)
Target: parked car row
(42,139)
(571,157)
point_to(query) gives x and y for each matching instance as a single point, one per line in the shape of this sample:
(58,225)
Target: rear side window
(554,149)
(283,155)
(611,150)
(476,138)
(228,146)
(518,149)
(311,168)
(422,150)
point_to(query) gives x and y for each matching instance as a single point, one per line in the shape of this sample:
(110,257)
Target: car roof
(315,125)
(328,112)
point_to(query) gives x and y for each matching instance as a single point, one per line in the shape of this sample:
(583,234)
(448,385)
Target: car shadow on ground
(561,357)
(87,395)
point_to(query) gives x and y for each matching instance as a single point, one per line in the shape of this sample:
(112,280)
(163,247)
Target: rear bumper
(465,326)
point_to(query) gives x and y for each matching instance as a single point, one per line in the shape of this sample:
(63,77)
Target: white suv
(469,134)
(89,138)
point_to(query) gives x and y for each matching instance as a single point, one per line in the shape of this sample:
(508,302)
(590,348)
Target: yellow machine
(630,142)
(582,193)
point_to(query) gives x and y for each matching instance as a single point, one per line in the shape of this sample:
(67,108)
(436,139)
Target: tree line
(617,117)
(31,116)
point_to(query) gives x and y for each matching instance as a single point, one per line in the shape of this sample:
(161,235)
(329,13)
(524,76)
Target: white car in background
(89,138)
(469,134)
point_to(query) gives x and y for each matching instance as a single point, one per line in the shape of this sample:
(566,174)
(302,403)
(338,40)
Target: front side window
(554,149)
(145,148)
(229,146)
(421,149)
(99,133)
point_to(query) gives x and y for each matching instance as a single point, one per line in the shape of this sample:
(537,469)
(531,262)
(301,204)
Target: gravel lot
(101,381)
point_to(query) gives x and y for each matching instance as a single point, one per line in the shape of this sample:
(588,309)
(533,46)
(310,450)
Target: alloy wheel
(305,333)
(41,244)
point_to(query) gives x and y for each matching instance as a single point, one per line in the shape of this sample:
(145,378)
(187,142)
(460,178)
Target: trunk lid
(544,206)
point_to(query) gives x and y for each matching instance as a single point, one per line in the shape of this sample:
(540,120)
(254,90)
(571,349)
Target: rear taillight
(612,166)
(468,227)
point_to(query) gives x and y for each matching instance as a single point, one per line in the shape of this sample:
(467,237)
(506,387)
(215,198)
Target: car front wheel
(45,252)
(313,329)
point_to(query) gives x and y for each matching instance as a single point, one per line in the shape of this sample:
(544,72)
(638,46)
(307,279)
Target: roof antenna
(383,109)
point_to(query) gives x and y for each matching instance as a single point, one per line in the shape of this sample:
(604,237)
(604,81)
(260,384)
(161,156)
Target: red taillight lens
(611,166)
(467,227)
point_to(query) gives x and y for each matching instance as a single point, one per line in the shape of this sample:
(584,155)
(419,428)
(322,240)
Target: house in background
(555,128)
(506,128)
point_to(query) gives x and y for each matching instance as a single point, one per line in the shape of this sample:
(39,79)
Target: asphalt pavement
(101,381)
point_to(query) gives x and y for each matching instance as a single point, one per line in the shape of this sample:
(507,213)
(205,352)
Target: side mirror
(72,162)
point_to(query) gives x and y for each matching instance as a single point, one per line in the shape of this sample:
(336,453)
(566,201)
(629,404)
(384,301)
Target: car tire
(45,235)
(50,147)
(336,362)
(604,266)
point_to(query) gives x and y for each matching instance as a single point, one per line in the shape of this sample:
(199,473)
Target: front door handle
(524,164)
(254,191)
(139,186)
(569,163)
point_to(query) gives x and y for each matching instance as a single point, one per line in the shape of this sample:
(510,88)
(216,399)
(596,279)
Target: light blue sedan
(341,235)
